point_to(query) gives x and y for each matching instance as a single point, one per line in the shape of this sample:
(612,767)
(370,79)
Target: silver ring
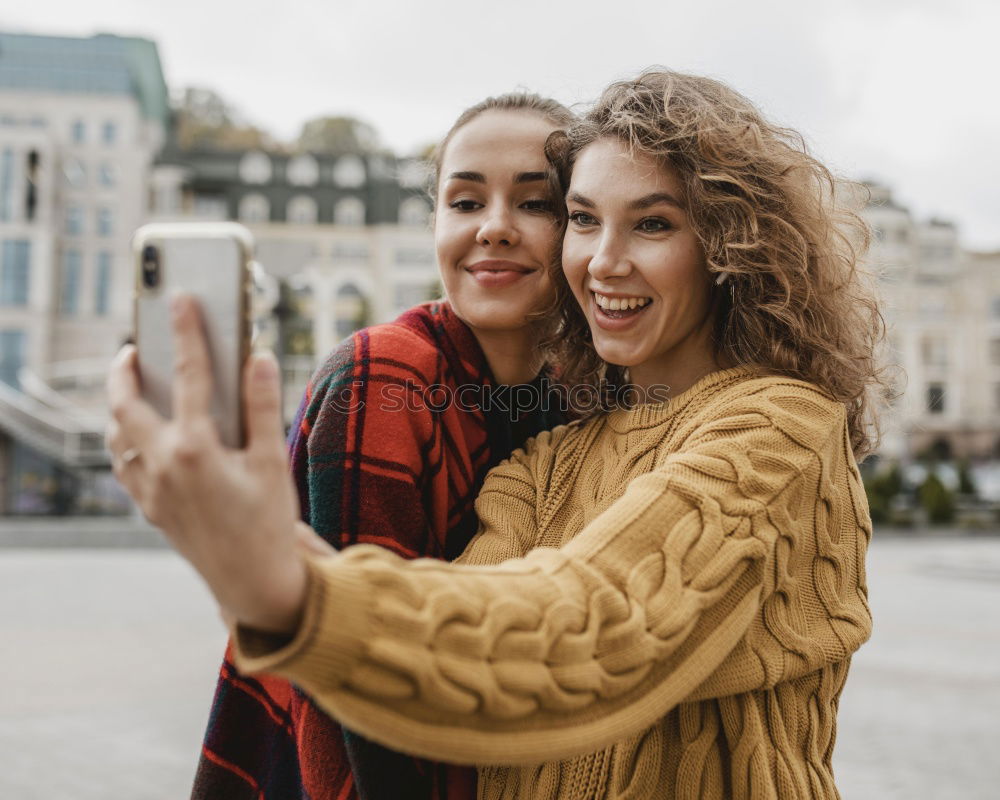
(130,455)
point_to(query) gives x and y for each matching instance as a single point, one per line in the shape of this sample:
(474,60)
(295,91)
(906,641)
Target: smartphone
(211,261)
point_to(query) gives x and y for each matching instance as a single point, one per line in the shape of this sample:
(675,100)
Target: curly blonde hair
(769,215)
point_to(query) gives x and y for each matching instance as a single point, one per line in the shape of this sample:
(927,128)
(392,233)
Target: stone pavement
(110,655)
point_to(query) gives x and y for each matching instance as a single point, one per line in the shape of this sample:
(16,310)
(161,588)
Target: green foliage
(936,500)
(881,488)
(338,135)
(202,119)
(966,485)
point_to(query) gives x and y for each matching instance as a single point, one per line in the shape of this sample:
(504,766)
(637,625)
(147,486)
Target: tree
(966,485)
(882,489)
(204,120)
(338,135)
(936,500)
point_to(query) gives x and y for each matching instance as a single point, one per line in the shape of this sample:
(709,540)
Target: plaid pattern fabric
(390,446)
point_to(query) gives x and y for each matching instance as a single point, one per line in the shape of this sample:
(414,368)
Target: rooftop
(100,64)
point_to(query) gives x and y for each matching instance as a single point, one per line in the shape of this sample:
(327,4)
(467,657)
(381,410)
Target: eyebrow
(643,202)
(655,199)
(478,177)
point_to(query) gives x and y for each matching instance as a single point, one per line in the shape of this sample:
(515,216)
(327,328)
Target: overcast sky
(903,91)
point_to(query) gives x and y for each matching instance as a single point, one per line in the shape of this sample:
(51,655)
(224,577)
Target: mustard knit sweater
(661,603)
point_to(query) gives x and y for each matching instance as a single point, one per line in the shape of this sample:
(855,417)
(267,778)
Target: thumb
(262,404)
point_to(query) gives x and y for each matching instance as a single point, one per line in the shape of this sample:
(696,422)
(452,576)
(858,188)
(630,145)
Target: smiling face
(636,267)
(494,229)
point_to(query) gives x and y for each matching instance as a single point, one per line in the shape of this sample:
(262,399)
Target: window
(6,184)
(935,398)
(109,132)
(303,170)
(104,222)
(75,173)
(74,220)
(69,283)
(349,211)
(934,351)
(106,174)
(31,195)
(350,310)
(254,208)
(255,167)
(208,206)
(349,251)
(302,210)
(349,172)
(414,256)
(414,211)
(103,287)
(11,356)
(15,257)
(407,295)
(995,352)
(78,131)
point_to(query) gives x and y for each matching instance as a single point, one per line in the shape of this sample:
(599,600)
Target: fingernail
(177,303)
(266,368)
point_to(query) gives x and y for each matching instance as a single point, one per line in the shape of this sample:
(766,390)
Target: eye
(582,219)
(654,225)
(465,205)
(539,205)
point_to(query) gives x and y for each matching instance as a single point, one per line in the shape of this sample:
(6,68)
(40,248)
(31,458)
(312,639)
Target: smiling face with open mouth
(636,266)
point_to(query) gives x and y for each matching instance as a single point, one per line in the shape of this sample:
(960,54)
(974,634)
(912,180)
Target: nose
(610,260)
(498,227)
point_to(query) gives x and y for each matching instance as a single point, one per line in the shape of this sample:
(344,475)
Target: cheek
(574,264)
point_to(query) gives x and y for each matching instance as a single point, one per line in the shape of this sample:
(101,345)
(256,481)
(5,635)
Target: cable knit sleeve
(507,503)
(566,650)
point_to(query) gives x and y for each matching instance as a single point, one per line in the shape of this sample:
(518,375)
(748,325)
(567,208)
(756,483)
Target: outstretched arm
(566,650)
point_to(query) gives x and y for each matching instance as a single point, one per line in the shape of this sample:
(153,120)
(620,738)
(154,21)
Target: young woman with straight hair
(382,454)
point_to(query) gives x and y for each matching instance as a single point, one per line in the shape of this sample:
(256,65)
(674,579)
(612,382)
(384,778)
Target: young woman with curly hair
(663,599)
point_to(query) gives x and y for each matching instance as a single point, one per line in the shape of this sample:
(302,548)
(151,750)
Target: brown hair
(552,110)
(767,214)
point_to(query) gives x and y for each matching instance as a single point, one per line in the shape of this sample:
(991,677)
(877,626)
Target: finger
(137,421)
(192,385)
(262,405)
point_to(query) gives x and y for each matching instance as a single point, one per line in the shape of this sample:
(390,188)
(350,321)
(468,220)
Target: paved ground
(109,658)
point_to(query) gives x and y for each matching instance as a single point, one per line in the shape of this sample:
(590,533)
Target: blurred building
(87,154)
(346,235)
(942,306)
(81,120)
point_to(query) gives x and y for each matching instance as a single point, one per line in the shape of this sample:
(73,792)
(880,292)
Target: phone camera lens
(150,267)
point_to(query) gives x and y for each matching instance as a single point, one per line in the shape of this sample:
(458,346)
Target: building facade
(942,308)
(81,120)
(346,235)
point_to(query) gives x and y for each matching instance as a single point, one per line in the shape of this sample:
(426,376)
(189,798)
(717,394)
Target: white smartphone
(212,262)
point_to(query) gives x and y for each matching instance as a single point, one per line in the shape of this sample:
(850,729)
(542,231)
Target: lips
(618,312)
(498,265)
(496,273)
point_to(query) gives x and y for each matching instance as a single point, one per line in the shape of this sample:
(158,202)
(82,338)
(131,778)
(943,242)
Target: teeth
(620,303)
